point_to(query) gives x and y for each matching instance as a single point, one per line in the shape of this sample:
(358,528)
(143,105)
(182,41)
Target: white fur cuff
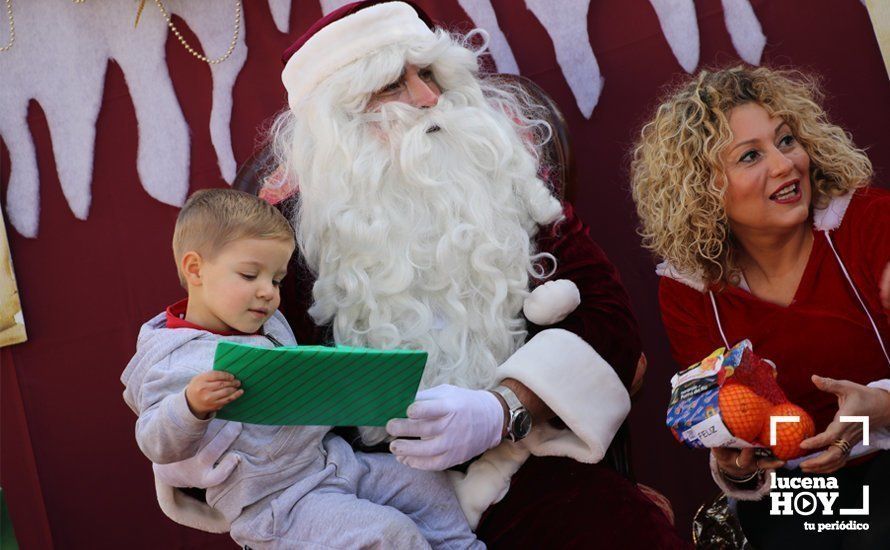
(579,386)
(733,491)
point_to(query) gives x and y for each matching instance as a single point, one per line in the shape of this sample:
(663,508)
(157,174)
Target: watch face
(522,424)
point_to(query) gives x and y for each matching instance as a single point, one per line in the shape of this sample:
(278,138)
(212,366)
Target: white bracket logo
(775,420)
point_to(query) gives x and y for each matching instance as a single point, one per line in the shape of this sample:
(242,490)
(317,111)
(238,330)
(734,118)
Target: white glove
(209,467)
(454,425)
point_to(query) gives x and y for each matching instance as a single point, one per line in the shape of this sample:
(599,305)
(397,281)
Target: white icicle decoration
(680,28)
(483,16)
(215,29)
(744,30)
(566,23)
(280,14)
(72,44)
(327,6)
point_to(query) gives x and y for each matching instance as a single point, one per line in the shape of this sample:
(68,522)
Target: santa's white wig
(419,223)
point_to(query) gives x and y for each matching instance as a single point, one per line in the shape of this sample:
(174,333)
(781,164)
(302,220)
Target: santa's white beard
(423,239)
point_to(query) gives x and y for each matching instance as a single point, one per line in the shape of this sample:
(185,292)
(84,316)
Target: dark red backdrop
(71,470)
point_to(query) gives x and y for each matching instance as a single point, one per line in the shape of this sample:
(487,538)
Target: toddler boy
(294,486)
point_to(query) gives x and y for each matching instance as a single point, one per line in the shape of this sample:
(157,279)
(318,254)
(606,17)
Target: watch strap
(515,412)
(513,402)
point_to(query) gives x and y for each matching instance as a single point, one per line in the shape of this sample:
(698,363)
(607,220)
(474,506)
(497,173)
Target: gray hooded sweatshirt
(273,458)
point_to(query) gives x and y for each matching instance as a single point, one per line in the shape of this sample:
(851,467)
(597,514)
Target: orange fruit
(743,411)
(788,434)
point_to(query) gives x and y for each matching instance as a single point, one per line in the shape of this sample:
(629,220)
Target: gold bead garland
(190,49)
(170,24)
(11,26)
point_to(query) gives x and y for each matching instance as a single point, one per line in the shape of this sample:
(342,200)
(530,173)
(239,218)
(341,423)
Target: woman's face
(767,173)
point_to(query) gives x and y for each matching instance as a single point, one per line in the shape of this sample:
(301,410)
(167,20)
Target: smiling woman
(767,175)
(767,201)
(760,209)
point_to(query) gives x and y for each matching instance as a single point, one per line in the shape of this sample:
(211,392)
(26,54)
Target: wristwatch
(519,422)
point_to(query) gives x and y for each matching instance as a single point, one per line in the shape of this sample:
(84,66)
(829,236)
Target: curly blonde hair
(677,173)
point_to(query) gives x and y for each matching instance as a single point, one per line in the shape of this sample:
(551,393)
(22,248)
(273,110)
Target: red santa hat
(346,35)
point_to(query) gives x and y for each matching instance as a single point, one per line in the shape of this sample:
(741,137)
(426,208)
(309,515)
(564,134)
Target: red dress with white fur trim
(823,331)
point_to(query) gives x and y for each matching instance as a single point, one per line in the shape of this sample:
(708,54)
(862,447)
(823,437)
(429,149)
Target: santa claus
(422,223)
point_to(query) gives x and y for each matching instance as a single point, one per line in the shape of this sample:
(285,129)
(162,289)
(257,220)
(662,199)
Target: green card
(318,385)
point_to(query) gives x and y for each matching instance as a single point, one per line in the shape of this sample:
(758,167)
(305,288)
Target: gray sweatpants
(359,501)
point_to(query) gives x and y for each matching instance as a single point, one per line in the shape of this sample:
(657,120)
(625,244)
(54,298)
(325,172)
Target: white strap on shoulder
(717,317)
(858,297)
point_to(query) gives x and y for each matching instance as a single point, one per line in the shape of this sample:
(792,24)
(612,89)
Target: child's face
(240,285)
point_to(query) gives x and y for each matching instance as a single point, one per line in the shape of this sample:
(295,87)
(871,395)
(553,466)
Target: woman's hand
(853,400)
(454,425)
(742,463)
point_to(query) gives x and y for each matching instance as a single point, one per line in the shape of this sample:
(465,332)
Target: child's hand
(209,391)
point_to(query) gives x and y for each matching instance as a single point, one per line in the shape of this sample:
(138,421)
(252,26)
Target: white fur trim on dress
(347,40)
(665,269)
(824,219)
(733,491)
(579,386)
(830,217)
(189,511)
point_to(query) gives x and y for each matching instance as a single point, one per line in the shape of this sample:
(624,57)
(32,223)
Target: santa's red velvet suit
(556,501)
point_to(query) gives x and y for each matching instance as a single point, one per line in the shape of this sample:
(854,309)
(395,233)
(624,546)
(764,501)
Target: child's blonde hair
(212,218)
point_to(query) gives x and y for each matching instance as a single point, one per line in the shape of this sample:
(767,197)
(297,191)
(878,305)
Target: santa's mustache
(400,119)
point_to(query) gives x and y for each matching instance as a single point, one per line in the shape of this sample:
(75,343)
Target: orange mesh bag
(727,399)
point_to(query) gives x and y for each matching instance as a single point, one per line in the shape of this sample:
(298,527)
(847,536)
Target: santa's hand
(209,467)
(453,424)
